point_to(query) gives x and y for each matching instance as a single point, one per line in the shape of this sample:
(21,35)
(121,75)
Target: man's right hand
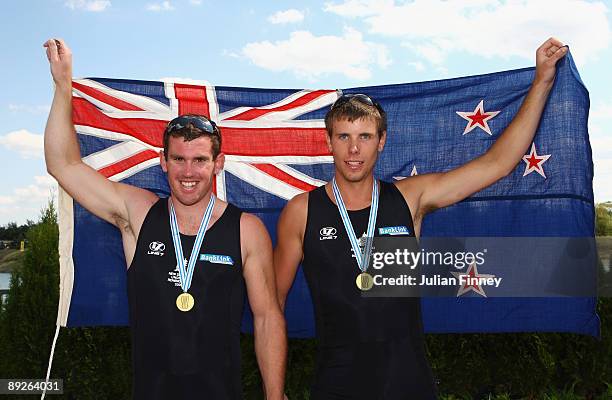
(60,61)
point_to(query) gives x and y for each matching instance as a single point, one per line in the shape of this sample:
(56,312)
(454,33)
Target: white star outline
(541,160)
(485,125)
(464,288)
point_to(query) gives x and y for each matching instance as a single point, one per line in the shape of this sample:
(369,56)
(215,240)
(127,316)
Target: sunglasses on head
(362,98)
(202,123)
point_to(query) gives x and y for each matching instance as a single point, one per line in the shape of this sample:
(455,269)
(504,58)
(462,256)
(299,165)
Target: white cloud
(91,5)
(163,6)
(30,109)
(27,144)
(600,112)
(601,180)
(27,201)
(600,134)
(311,56)
(286,17)
(41,189)
(229,53)
(487,28)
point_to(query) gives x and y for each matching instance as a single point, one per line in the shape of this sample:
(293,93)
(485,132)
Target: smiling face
(190,168)
(355,146)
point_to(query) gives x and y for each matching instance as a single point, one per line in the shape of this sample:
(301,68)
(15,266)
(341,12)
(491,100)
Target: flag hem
(66,262)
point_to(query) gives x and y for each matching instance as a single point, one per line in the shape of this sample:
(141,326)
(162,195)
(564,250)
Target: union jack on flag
(274,142)
(260,141)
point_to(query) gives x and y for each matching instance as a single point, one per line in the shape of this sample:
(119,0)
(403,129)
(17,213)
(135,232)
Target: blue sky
(306,44)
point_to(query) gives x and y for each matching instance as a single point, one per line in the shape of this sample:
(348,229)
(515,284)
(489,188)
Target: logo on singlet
(217,259)
(394,230)
(156,248)
(328,233)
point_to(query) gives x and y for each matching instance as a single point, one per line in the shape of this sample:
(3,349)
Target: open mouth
(354,164)
(188,185)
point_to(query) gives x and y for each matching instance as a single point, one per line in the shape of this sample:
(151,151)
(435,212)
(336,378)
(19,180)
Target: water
(5,278)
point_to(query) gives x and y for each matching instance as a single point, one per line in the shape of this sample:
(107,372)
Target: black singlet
(194,354)
(369,347)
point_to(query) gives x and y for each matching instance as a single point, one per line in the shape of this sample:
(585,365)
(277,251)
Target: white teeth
(188,184)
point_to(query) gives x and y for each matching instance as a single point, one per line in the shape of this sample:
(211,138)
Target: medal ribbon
(363,259)
(186,272)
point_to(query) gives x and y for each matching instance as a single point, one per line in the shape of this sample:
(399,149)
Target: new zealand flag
(274,141)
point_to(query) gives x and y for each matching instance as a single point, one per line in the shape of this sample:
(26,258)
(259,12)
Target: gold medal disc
(364,281)
(185,302)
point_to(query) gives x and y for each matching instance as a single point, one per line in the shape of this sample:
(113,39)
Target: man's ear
(328,141)
(383,140)
(162,161)
(219,163)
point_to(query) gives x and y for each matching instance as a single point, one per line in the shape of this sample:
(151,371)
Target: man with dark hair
(373,347)
(189,257)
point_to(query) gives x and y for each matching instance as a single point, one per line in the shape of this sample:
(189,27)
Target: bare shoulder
(255,242)
(297,207)
(415,183)
(293,217)
(135,194)
(138,202)
(413,187)
(251,225)
(298,202)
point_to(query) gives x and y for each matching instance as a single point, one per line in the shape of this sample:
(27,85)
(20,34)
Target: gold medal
(185,302)
(364,281)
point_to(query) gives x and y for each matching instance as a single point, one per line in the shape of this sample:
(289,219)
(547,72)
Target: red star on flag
(534,162)
(472,272)
(477,118)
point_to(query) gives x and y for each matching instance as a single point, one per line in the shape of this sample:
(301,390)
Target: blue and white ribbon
(363,259)
(186,272)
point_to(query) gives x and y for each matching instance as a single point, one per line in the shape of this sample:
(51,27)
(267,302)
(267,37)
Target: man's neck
(356,195)
(189,217)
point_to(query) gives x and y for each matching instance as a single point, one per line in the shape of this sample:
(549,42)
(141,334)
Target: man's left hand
(547,56)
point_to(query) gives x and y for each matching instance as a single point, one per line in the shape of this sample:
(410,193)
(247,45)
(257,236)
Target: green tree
(603,220)
(93,362)
(27,320)
(14,232)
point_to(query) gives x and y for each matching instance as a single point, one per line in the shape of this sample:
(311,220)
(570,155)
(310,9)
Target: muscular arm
(288,252)
(270,334)
(102,197)
(432,191)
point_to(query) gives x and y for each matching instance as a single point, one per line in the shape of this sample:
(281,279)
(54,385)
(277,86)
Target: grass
(10,259)
(552,395)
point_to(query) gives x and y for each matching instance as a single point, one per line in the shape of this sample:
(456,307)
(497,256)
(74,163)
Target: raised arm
(290,237)
(102,197)
(269,323)
(432,191)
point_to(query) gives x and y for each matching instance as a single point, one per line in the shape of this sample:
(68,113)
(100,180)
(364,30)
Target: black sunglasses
(362,98)
(202,123)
